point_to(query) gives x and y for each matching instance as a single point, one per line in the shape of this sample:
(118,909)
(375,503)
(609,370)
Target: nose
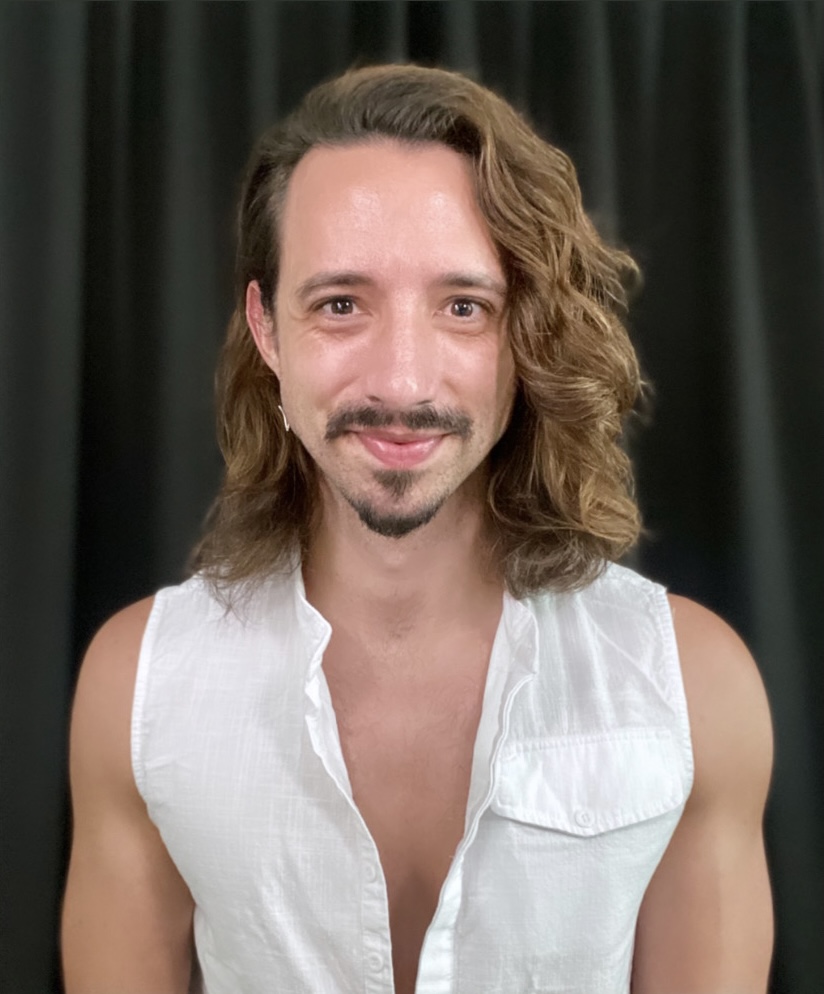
(402,362)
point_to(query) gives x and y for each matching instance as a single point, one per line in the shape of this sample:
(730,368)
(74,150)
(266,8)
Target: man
(409,727)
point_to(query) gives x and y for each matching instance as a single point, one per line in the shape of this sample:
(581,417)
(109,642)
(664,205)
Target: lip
(399,451)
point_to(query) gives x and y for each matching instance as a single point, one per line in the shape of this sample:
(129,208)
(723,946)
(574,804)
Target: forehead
(381,204)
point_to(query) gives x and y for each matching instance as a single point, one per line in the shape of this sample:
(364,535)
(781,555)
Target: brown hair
(559,496)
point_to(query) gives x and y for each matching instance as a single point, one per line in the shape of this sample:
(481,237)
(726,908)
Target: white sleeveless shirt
(581,769)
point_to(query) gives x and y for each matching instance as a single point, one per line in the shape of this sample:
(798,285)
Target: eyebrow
(346,278)
(321,281)
(472,281)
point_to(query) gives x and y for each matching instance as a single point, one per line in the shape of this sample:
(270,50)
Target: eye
(337,307)
(464,307)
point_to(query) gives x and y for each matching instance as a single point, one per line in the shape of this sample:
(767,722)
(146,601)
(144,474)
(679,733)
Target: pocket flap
(589,784)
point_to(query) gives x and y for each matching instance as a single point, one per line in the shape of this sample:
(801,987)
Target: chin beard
(393,525)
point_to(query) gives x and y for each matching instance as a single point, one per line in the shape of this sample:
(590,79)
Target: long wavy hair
(559,495)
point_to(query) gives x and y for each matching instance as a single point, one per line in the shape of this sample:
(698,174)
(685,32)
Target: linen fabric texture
(581,768)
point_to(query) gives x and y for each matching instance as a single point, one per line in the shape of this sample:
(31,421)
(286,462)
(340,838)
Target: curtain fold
(698,131)
(765,495)
(42,222)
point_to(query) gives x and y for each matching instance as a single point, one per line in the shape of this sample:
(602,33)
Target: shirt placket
(323,733)
(513,664)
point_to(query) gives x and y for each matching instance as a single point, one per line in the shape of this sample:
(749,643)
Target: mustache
(428,418)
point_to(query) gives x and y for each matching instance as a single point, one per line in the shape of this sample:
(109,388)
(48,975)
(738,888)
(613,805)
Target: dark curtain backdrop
(699,136)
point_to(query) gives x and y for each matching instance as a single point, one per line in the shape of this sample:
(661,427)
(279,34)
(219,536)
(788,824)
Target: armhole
(666,629)
(142,678)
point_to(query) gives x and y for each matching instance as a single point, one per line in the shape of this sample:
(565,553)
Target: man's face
(389,338)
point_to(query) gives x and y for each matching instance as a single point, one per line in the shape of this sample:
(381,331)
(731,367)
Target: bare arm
(706,923)
(127,915)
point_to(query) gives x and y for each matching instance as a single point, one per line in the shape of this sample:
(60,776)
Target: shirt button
(584,818)
(375,961)
(370,874)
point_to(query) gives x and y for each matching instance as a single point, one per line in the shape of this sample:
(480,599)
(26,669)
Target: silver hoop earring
(285,421)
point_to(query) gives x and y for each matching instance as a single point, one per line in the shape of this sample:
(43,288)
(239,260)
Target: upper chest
(407,738)
(407,741)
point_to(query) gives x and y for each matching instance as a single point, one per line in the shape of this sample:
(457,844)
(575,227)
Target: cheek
(506,372)
(501,379)
(313,379)
(505,390)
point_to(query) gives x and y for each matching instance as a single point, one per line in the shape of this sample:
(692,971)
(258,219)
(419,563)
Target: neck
(403,589)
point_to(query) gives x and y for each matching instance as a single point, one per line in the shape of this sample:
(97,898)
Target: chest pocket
(556,875)
(589,784)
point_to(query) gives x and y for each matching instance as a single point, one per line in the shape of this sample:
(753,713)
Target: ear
(262,326)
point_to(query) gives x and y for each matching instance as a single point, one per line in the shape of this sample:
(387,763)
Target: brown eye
(463,308)
(340,306)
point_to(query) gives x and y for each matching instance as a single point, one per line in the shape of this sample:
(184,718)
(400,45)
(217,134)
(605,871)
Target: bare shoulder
(110,663)
(101,719)
(705,924)
(729,713)
(127,912)
(122,634)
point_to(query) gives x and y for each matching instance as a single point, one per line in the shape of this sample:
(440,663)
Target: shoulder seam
(142,677)
(662,618)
